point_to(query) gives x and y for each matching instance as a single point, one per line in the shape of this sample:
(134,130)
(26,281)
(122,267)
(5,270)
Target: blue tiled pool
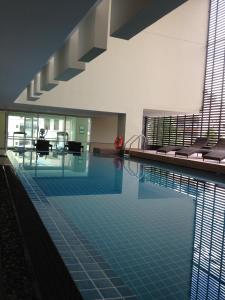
(128,229)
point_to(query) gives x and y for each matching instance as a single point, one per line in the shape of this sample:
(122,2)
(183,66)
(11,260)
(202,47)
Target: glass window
(56,124)
(47,124)
(57,129)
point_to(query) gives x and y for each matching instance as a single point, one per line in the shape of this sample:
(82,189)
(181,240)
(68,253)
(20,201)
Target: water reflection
(140,234)
(63,174)
(208,262)
(56,163)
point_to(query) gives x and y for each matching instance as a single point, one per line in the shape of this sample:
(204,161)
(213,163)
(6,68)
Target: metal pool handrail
(129,140)
(139,138)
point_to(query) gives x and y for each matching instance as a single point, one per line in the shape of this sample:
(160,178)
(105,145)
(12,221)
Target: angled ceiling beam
(129,17)
(30,92)
(94,32)
(37,85)
(47,76)
(67,65)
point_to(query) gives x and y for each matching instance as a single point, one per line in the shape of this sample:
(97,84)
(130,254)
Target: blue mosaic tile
(91,295)
(74,267)
(109,293)
(112,255)
(103,283)
(77,275)
(85,284)
(96,274)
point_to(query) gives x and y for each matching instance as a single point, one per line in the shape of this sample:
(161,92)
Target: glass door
(15,131)
(28,128)
(53,127)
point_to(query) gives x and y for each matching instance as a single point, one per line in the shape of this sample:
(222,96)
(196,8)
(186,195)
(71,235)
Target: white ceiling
(30,31)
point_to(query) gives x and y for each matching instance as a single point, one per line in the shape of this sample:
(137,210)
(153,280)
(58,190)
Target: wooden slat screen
(183,130)
(213,112)
(173,130)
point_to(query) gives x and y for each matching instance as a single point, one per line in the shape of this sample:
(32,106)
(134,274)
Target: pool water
(130,229)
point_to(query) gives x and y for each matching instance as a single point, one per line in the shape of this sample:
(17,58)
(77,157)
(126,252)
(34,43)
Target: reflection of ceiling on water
(208,268)
(206,263)
(78,186)
(102,178)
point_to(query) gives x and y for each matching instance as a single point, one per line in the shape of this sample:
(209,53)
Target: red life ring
(118,143)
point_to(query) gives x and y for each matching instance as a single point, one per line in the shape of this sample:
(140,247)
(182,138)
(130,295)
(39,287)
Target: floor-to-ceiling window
(54,129)
(24,129)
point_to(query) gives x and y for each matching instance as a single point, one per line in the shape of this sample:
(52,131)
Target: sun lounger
(217,152)
(194,148)
(169,148)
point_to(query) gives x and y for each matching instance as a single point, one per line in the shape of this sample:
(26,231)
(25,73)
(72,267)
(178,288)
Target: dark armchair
(43,146)
(75,147)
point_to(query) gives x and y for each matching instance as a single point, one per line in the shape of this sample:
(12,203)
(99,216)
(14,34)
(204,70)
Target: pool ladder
(138,173)
(141,138)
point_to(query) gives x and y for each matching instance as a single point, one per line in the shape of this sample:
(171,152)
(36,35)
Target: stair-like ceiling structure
(44,42)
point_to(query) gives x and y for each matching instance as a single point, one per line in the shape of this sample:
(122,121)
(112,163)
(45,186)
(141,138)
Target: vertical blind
(183,129)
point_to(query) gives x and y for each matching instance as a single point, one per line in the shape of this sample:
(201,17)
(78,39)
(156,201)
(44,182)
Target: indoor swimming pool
(129,229)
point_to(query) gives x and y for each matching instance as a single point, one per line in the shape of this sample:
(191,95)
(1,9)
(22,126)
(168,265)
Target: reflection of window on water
(208,277)
(208,261)
(181,183)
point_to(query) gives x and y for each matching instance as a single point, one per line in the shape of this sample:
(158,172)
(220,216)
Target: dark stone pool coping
(16,276)
(52,276)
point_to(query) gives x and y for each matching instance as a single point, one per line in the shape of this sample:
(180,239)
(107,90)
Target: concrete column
(133,125)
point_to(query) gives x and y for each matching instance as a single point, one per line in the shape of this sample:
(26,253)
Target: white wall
(162,68)
(103,131)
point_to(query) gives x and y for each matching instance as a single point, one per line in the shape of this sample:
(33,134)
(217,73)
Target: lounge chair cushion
(215,155)
(195,148)
(169,148)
